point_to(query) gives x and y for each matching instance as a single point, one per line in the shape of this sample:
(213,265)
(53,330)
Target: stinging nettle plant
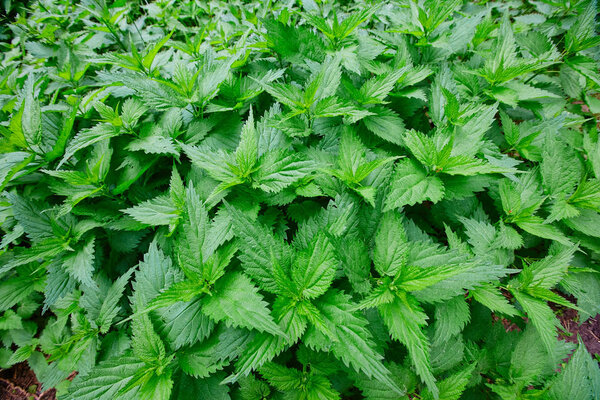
(300,200)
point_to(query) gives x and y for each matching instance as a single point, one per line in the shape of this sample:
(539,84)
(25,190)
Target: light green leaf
(411,184)
(106,380)
(236,301)
(315,268)
(158,211)
(404,319)
(391,246)
(386,124)
(542,317)
(80,265)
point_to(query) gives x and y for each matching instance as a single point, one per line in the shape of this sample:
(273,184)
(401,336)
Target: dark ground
(589,330)
(19,383)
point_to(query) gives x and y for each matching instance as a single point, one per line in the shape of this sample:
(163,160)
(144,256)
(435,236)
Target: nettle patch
(275,200)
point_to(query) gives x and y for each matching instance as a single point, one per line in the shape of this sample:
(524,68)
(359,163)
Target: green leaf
(258,246)
(148,59)
(592,149)
(265,347)
(376,89)
(184,291)
(157,211)
(247,150)
(582,34)
(549,271)
(155,94)
(88,137)
(224,345)
(236,301)
(542,317)
(414,278)
(154,144)
(80,265)
(422,147)
(325,83)
(390,245)
(404,319)
(354,256)
(585,66)
(462,165)
(411,185)
(353,21)
(334,107)
(451,317)
(372,389)
(453,386)
(282,378)
(156,386)
(154,274)
(216,163)
(315,268)
(585,286)
(184,323)
(537,227)
(189,388)
(106,380)
(560,169)
(493,299)
(279,169)
(286,94)
(579,379)
(45,249)
(147,345)
(354,341)
(31,117)
(386,124)
(110,307)
(191,241)
(587,195)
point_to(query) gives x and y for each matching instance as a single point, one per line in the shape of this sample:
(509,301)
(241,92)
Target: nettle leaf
(31,117)
(411,185)
(279,169)
(158,211)
(258,247)
(579,380)
(247,150)
(315,268)
(493,299)
(224,345)
(542,318)
(80,264)
(354,343)
(107,380)
(264,347)
(386,124)
(109,309)
(391,245)
(404,318)
(557,155)
(236,301)
(88,137)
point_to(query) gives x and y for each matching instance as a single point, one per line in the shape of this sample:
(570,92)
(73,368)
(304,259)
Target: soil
(20,383)
(589,331)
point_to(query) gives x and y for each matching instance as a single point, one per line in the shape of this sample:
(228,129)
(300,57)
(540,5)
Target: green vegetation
(300,199)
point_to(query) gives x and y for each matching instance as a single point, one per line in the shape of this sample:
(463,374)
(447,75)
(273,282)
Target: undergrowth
(299,200)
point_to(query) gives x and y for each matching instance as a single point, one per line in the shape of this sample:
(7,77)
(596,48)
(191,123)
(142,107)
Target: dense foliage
(300,200)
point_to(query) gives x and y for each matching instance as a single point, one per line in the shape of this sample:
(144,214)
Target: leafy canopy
(300,200)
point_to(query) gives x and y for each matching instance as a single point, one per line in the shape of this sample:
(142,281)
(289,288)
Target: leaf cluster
(300,200)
